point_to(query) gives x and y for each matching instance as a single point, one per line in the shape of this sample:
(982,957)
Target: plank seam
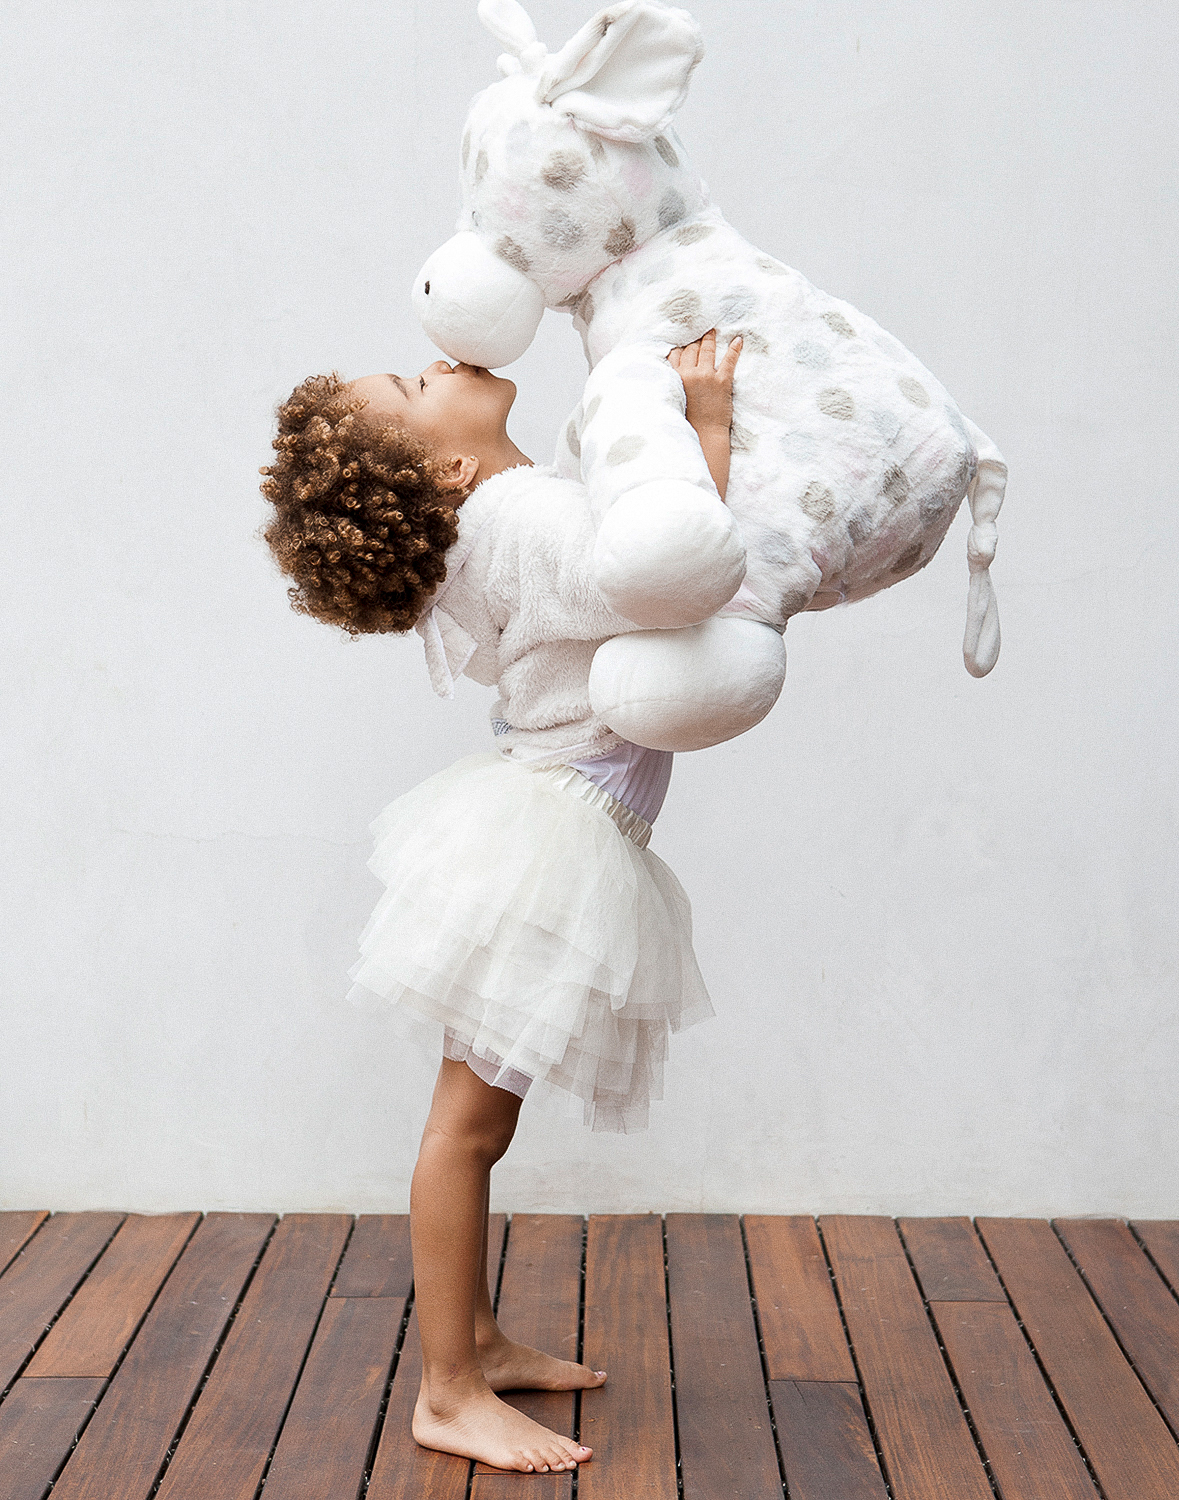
(1117,1337)
(1052,1391)
(41,1337)
(864,1402)
(936,1331)
(675,1409)
(383,1410)
(286,1411)
(580,1356)
(208,1370)
(1145,1248)
(761,1351)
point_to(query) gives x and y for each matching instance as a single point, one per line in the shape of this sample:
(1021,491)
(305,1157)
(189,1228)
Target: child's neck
(505,455)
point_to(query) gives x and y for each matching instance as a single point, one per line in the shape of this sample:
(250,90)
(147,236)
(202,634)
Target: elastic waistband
(568,778)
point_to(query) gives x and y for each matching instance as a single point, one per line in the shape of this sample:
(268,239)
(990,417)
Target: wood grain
(233,1428)
(629,1423)
(123,1449)
(1161,1238)
(950,1262)
(1030,1450)
(17,1226)
(726,1438)
(90,1336)
(378,1261)
(43,1277)
(928,1451)
(827,1448)
(402,1470)
(328,1434)
(38,1424)
(1135,1299)
(539,1305)
(800,1324)
(1127,1442)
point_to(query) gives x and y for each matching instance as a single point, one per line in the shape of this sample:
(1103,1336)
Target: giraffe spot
(859,526)
(561,229)
(666,151)
(683,307)
(481,166)
(571,438)
(818,501)
(591,410)
(839,324)
(814,356)
(752,342)
(772,267)
(621,238)
(597,147)
(626,448)
(735,305)
(692,234)
(887,424)
(672,209)
(906,561)
(563,170)
(741,440)
(585,308)
(507,249)
(838,403)
(895,486)
(913,390)
(466,148)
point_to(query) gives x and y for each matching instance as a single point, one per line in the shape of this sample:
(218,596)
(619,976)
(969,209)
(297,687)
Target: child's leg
(469,1129)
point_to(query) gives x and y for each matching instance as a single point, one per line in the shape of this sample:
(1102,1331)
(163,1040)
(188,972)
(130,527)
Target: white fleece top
(519,610)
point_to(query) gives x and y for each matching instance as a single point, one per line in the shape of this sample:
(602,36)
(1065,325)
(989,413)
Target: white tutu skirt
(547,942)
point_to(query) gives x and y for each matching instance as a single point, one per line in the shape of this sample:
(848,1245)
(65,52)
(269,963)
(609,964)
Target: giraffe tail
(980,648)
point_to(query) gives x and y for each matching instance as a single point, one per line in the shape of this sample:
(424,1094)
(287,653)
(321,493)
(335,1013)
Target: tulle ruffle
(518,915)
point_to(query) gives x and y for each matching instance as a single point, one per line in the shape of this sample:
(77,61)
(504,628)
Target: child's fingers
(673,358)
(732,355)
(708,350)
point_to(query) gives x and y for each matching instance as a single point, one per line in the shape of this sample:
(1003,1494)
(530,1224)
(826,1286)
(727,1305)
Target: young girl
(522,908)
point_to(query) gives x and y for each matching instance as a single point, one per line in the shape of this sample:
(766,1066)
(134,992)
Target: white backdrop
(937,915)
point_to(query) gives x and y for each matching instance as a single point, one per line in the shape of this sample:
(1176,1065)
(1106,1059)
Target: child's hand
(707,385)
(709,389)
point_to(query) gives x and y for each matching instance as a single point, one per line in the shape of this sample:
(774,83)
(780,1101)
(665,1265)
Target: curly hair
(362,523)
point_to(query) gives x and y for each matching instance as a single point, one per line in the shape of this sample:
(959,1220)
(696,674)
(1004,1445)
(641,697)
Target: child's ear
(459,473)
(626,72)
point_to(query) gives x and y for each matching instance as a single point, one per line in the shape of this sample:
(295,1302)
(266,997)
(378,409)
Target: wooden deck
(200,1358)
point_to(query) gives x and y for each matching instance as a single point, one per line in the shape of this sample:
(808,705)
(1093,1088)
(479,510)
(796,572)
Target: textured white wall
(937,916)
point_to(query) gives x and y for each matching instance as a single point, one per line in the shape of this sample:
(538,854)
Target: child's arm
(709,391)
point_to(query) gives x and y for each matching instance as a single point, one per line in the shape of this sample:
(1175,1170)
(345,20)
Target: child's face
(455,410)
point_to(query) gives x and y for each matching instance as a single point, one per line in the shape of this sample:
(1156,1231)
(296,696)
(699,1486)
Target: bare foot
(479,1425)
(516,1367)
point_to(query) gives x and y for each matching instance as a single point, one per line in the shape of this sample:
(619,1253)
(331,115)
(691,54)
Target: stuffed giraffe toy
(849,459)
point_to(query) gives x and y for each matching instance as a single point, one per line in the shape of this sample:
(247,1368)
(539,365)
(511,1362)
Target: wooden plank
(726,1438)
(1135,1299)
(827,1448)
(38,1424)
(630,1422)
(378,1262)
(801,1329)
(1129,1447)
(123,1448)
(234,1426)
(328,1434)
(926,1445)
(950,1262)
(1161,1238)
(90,1336)
(1030,1450)
(17,1227)
(42,1279)
(539,1305)
(402,1470)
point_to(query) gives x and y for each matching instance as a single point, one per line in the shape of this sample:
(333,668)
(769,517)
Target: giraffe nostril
(427,288)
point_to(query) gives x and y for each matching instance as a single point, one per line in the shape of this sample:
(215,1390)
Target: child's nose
(439,367)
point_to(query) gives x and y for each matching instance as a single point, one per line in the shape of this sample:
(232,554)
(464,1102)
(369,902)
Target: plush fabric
(849,458)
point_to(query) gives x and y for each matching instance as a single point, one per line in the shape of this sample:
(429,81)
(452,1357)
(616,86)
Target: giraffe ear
(508,23)
(626,72)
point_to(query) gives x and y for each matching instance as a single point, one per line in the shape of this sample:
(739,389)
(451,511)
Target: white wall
(937,915)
